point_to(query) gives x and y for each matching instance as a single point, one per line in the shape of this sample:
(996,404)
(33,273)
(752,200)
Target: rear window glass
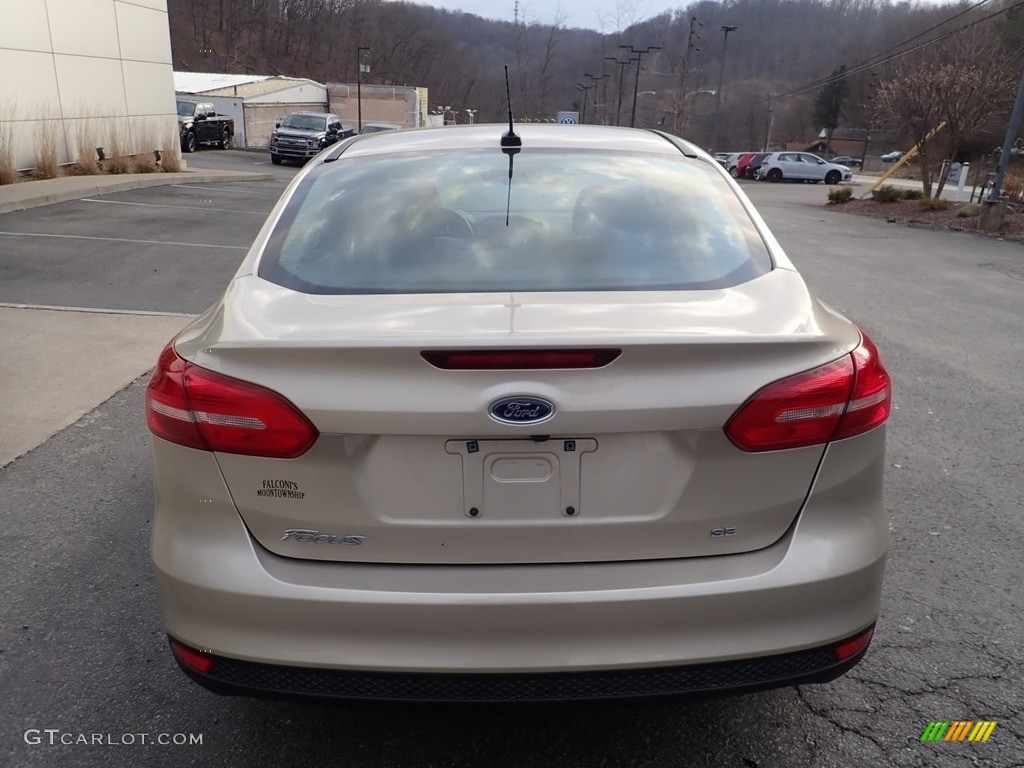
(566,221)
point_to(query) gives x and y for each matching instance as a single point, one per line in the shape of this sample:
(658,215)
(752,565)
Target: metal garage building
(256,102)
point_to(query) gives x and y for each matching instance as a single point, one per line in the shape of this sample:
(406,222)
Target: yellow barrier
(903,160)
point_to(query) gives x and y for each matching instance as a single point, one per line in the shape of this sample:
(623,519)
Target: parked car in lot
(802,166)
(546,415)
(891,157)
(731,160)
(199,123)
(303,134)
(753,164)
(744,158)
(849,162)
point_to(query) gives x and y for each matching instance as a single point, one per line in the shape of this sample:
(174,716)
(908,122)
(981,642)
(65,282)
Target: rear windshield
(566,221)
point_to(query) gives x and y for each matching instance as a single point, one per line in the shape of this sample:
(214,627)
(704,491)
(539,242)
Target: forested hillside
(777,55)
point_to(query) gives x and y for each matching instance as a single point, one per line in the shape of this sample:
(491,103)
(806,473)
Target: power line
(871,63)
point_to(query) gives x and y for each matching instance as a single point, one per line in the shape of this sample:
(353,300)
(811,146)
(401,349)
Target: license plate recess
(522,480)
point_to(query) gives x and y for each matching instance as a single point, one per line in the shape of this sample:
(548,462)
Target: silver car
(802,166)
(536,416)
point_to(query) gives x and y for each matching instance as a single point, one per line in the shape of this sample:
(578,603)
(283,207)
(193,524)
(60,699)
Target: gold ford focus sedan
(529,414)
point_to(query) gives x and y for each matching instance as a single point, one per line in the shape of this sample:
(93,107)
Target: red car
(741,165)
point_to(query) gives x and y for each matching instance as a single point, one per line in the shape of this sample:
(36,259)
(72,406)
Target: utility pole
(690,47)
(597,79)
(583,89)
(622,70)
(639,53)
(726,29)
(1011,135)
(359,84)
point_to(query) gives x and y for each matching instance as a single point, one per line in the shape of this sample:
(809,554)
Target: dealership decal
(280,489)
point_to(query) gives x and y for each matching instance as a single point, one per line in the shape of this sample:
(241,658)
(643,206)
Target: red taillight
(850,648)
(200,662)
(872,392)
(839,399)
(191,406)
(519,359)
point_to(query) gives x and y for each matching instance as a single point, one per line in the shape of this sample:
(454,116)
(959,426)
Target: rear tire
(833,177)
(774,176)
(225,140)
(732,172)
(275,159)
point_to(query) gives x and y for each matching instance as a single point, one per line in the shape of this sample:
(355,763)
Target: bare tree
(962,82)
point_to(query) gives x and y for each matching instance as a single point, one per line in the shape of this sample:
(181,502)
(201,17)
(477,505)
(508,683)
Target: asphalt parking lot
(82,651)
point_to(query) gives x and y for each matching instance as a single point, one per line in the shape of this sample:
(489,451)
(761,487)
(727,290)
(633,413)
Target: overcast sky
(602,15)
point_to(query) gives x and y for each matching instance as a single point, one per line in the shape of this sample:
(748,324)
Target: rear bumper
(760,619)
(231,677)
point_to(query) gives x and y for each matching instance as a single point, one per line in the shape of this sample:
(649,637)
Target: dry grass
(47,165)
(118,158)
(170,155)
(144,159)
(1013,187)
(8,173)
(85,145)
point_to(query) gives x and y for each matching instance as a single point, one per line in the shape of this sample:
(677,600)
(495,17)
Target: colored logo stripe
(982,730)
(958,730)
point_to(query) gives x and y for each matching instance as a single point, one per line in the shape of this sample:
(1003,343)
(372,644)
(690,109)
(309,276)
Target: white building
(86,74)
(256,102)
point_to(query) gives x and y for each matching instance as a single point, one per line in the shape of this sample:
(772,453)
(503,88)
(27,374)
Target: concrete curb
(34,194)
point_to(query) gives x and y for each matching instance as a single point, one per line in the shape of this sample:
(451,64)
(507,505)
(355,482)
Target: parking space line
(95,310)
(126,240)
(164,205)
(232,189)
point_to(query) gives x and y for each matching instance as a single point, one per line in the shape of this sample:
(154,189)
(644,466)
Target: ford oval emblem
(521,410)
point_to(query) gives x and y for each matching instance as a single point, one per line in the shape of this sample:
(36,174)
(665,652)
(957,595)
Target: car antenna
(510,145)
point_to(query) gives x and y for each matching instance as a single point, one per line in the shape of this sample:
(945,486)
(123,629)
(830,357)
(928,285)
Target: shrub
(839,196)
(911,194)
(170,156)
(144,163)
(933,203)
(117,159)
(1013,186)
(8,173)
(47,165)
(85,144)
(968,210)
(886,194)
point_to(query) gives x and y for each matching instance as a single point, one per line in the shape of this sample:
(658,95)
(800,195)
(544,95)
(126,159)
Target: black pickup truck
(303,134)
(199,123)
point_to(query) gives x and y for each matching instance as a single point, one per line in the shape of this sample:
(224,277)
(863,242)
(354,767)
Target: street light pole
(583,89)
(622,74)
(639,52)
(359,85)
(596,79)
(721,78)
